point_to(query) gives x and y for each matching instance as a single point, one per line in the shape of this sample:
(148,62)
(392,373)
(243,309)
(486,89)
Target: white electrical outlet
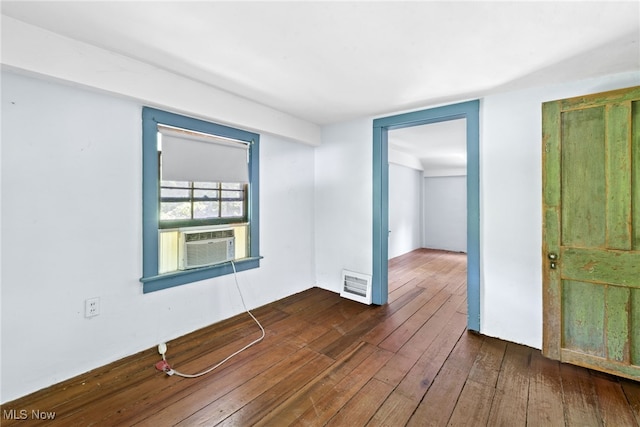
(91,307)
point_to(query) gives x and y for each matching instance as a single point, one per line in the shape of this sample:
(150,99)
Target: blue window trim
(151,280)
(471,111)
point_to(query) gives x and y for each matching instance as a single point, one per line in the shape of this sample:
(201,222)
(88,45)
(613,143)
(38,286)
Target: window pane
(205,210)
(172,192)
(232,209)
(175,189)
(179,210)
(206,184)
(232,195)
(210,194)
(181,184)
(231,186)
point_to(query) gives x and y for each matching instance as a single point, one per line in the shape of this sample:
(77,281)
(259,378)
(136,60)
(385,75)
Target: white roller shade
(202,158)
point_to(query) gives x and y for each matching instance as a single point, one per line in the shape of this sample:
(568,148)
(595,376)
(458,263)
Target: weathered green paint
(618,123)
(634,329)
(552,287)
(604,266)
(551,154)
(619,95)
(635,174)
(551,221)
(617,309)
(583,317)
(591,215)
(583,178)
(600,364)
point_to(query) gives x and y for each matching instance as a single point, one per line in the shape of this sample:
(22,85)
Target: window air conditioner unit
(205,247)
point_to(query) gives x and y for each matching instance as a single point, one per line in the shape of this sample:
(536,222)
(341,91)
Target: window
(198,177)
(201,203)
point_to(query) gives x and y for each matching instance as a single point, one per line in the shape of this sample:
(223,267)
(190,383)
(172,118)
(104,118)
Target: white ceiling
(438,146)
(332,61)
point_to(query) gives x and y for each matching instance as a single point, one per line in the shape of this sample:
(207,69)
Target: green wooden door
(591,231)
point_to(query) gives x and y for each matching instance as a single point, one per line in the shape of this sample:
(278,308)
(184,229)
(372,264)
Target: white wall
(445,213)
(71,230)
(343,201)
(511,205)
(405,210)
(510,212)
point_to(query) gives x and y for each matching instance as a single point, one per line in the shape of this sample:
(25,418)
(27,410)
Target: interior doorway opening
(381,127)
(427,208)
(427,187)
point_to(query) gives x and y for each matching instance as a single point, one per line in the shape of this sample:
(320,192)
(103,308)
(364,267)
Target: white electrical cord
(171,371)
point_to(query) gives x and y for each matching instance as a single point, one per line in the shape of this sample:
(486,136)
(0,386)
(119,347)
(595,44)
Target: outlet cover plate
(92,307)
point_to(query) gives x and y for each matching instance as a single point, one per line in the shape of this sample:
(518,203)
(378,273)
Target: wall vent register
(205,247)
(356,286)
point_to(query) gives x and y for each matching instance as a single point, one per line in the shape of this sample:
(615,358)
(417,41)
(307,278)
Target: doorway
(381,127)
(427,187)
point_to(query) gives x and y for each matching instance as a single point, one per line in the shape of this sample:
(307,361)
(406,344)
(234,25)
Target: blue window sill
(168,280)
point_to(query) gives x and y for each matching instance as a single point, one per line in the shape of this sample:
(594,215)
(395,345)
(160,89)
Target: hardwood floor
(330,361)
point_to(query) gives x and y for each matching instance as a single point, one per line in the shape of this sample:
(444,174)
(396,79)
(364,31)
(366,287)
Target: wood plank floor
(330,361)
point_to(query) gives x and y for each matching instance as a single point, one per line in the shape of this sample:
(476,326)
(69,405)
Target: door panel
(635,174)
(583,323)
(601,266)
(591,231)
(583,188)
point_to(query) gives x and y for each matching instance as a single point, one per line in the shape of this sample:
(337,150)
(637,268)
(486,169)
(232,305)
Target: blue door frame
(471,112)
